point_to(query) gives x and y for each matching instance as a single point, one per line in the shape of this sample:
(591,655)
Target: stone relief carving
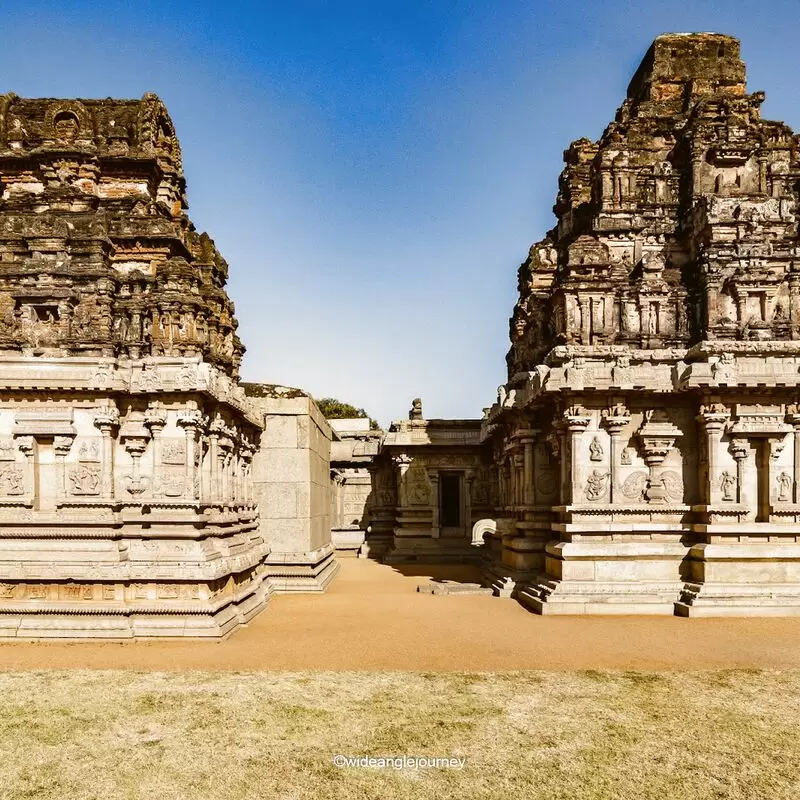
(85,480)
(7,451)
(728,486)
(89,451)
(595,450)
(634,486)
(673,485)
(12,481)
(418,488)
(597,485)
(785,485)
(173,452)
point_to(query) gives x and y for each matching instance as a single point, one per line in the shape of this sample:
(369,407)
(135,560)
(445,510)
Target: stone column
(105,420)
(586,321)
(190,421)
(794,307)
(469,477)
(433,479)
(155,419)
(528,491)
(740,450)
(61,447)
(770,496)
(224,485)
(557,441)
(576,419)
(27,446)
(713,417)
(518,466)
(615,419)
(401,462)
(793,418)
(215,429)
(741,306)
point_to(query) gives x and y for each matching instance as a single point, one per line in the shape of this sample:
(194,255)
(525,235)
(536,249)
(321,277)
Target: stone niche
(646,442)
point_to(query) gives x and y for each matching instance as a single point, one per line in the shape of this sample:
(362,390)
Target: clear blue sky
(373,171)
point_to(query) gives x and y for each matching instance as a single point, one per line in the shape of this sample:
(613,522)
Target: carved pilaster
(61,447)
(615,420)
(401,463)
(106,420)
(576,420)
(713,418)
(657,438)
(190,421)
(27,446)
(793,418)
(740,450)
(155,419)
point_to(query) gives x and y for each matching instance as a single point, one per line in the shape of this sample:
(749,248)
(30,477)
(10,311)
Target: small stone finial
(416,409)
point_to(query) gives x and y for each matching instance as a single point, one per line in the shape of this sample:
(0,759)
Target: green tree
(332,408)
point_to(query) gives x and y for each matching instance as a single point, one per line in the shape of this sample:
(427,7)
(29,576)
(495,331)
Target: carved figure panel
(12,481)
(85,480)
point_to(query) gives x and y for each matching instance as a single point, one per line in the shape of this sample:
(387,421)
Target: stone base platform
(506,581)
(743,578)
(216,619)
(550,597)
(302,572)
(738,600)
(607,576)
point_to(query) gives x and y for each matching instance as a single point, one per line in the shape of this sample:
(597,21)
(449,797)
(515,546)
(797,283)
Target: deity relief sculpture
(728,486)
(621,371)
(12,481)
(418,488)
(89,451)
(724,369)
(85,480)
(595,450)
(597,485)
(785,484)
(7,452)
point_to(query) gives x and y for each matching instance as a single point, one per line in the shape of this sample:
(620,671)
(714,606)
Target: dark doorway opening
(450,499)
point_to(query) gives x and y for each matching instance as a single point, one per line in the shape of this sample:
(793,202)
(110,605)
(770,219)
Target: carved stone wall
(653,378)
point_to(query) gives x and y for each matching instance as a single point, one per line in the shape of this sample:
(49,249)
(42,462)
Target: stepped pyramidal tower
(126,442)
(647,441)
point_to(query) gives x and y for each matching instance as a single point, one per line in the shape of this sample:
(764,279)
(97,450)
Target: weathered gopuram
(647,442)
(126,444)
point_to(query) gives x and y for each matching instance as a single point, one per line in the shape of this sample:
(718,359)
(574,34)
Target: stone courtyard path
(371,618)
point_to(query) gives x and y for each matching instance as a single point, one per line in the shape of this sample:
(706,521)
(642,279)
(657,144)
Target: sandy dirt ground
(371,618)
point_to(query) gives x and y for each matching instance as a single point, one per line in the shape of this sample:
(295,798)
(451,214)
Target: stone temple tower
(648,439)
(125,440)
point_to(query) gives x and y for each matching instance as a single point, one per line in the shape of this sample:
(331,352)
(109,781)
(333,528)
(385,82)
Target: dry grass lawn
(573,735)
